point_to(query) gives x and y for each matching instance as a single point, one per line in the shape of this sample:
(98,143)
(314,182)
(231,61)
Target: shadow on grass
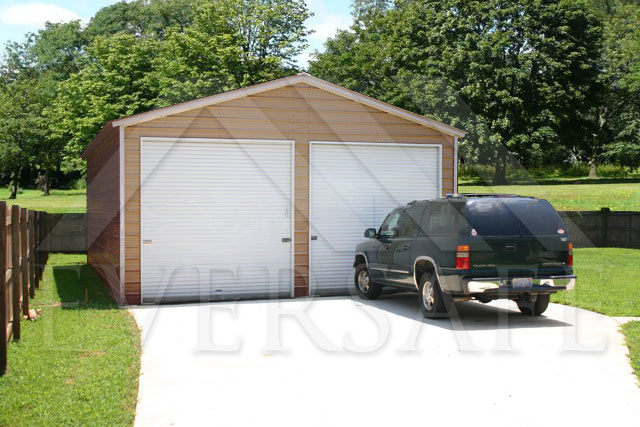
(74,283)
(67,193)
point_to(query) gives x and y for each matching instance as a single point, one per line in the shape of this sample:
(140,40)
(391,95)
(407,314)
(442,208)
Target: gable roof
(282,82)
(275,84)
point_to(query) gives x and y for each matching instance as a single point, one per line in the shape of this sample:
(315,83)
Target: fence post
(36,257)
(604,212)
(42,260)
(47,232)
(24,260)
(40,246)
(32,254)
(3,288)
(15,270)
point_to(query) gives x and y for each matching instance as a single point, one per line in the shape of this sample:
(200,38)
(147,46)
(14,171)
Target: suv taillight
(570,258)
(463,261)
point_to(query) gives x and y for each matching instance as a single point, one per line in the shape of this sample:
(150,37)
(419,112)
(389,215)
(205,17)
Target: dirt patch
(96,353)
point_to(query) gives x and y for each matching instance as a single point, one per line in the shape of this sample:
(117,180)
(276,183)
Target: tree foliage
(21,101)
(514,73)
(132,57)
(537,80)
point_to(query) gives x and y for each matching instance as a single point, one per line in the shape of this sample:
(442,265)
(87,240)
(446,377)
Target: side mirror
(370,233)
(389,232)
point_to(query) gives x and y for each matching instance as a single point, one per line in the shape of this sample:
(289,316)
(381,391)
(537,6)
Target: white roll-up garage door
(353,187)
(216,219)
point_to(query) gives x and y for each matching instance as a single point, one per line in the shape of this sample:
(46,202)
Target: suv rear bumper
(488,286)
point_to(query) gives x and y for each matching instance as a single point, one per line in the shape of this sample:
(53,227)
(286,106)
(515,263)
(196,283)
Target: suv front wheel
(433,303)
(365,287)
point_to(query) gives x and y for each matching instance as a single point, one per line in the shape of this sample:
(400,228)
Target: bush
(484,173)
(79,184)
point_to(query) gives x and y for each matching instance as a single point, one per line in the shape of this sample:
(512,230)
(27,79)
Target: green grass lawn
(573,197)
(78,363)
(570,197)
(608,281)
(631,331)
(60,201)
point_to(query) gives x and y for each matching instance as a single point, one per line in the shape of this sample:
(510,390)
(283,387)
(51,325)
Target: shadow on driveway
(469,316)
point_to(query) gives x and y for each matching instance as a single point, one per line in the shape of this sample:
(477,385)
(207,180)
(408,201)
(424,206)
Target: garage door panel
(353,187)
(213,216)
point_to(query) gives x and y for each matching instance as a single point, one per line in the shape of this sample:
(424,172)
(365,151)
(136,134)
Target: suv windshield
(513,217)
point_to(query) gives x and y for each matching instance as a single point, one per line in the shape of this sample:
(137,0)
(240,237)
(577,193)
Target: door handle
(314,237)
(387,245)
(286,239)
(406,246)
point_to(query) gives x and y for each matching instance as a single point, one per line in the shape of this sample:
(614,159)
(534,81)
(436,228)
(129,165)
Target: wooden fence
(21,266)
(603,228)
(68,233)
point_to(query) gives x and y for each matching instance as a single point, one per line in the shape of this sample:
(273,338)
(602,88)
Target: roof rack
(468,195)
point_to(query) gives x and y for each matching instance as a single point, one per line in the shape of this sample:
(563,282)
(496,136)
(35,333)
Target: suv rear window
(536,216)
(492,218)
(513,217)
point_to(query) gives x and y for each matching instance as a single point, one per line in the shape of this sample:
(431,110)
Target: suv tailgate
(513,237)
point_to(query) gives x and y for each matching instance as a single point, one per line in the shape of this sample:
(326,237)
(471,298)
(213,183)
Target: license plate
(522,283)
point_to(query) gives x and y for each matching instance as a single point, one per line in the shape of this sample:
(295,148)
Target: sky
(18,17)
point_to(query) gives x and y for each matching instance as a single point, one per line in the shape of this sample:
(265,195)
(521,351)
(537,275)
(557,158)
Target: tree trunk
(14,185)
(500,174)
(593,165)
(46,183)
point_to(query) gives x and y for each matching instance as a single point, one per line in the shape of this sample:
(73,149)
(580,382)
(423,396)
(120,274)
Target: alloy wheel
(364,281)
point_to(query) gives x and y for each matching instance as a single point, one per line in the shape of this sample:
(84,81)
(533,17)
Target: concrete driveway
(342,361)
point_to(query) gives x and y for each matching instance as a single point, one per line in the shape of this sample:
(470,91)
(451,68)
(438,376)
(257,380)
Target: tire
(536,308)
(365,288)
(433,302)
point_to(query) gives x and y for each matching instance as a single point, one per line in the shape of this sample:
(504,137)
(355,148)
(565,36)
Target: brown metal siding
(103,201)
(301,113)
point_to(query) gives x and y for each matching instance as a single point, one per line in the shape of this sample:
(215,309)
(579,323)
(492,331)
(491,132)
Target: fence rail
(22,263)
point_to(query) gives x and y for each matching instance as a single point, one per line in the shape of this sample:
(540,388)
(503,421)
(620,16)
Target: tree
(617,114)
(522,67)
(21,127)
(58,51)
(270,34)
(142,17)
(227,44)
(58,48)
(231,43)
(364,11)
(113,82)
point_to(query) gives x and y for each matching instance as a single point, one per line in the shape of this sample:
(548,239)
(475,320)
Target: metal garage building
(262,191)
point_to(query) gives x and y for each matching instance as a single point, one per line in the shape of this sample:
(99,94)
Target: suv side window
(408,224)
(390,225)
(440,219)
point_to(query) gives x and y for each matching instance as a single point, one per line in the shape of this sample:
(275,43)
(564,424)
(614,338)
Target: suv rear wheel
(433,303)
(365,287)
(534,308)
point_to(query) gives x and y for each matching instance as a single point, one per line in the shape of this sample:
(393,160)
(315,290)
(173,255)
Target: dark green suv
(468,246)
